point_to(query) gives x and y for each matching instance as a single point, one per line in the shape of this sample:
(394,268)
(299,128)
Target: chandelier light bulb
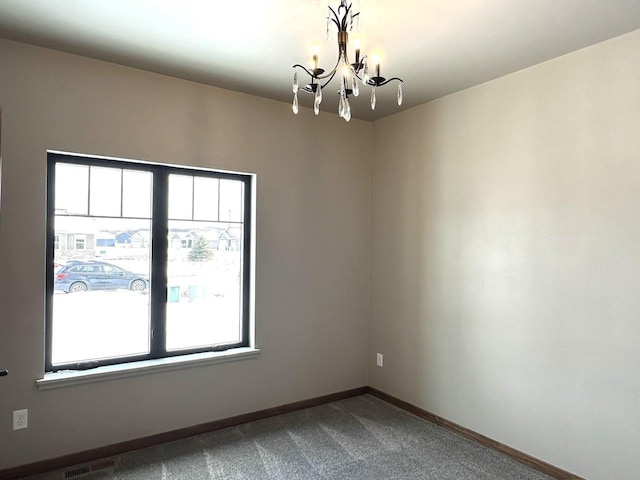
(356,44)
(376,64)
(346,71)
(314,57)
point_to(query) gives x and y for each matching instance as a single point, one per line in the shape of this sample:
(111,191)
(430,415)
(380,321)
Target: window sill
(68,378)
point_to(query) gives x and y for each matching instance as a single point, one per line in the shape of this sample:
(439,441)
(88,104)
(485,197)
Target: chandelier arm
(310,90)
(333,74)
(373,84)
(352,17)
(309,72)
(333,71)
(342,24)
(346,16)
(330,73)
(359,65)
(335,18)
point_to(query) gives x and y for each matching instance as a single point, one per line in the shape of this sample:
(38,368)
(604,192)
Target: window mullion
(89,191)
(122,193)
(193,197)
(159,241)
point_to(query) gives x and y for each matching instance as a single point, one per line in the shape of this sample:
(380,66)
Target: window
(172,290)
(81,241)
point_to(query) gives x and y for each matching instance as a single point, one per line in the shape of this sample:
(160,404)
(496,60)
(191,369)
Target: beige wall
(312,250)
(505,259)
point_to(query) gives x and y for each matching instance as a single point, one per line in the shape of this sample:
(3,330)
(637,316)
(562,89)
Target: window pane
(205,198)
(231,192)
(105,191)
(204,285)
(136,194)
(101,285)
(180,197)
(72,189)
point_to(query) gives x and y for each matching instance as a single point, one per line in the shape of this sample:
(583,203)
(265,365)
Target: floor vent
(87,469)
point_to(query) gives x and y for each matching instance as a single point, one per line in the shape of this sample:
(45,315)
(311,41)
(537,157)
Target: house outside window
(152,299)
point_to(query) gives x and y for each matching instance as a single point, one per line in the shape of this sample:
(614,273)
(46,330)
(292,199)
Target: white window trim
(68,378)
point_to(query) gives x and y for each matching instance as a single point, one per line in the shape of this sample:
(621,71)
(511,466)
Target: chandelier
(349,73)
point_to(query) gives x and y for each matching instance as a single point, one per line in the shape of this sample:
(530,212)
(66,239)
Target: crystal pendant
(347,110)
(373,98)
(316,106)
(354,86)
(295,81)
(400,94)
(328,20)
(365,74)
(294,107)
(318,94)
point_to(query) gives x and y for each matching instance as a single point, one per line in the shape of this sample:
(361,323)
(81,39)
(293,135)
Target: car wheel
(77,287)
(138,285)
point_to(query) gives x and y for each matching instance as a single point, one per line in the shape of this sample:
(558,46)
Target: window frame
(158,257)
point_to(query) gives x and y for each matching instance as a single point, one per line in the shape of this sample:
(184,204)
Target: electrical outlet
(20,419)
(379,359)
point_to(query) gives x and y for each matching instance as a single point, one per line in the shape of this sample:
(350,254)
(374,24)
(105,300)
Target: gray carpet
(358,438)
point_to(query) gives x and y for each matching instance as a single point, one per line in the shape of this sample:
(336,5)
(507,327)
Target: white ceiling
(436,46)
